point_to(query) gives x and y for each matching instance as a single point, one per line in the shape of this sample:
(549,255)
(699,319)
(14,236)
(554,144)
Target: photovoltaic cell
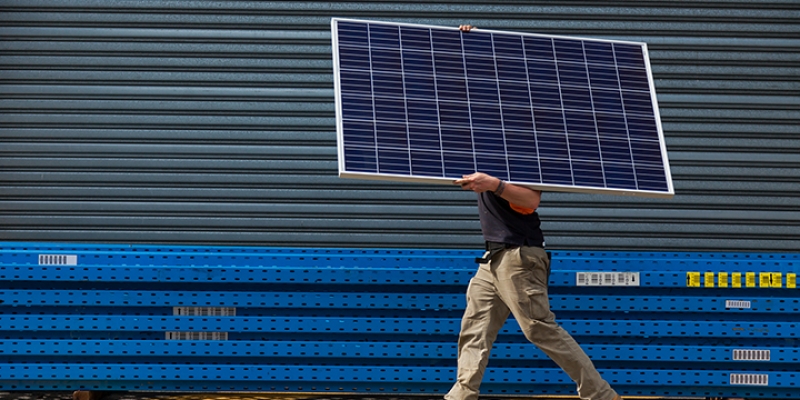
(430,104)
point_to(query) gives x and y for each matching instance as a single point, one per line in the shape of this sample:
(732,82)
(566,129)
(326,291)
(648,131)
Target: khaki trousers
(515,281)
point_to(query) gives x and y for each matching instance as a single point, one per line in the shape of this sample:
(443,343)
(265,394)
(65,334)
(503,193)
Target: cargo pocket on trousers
(538,303)
(536,291)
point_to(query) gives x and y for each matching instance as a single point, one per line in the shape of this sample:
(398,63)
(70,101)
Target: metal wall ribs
(173,318)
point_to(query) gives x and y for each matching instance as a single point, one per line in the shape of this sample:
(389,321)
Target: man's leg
(522,279)
(484,316)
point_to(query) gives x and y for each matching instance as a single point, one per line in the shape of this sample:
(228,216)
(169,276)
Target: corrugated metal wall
(212,123)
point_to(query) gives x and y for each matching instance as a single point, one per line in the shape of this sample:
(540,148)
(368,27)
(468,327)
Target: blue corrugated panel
(112,317)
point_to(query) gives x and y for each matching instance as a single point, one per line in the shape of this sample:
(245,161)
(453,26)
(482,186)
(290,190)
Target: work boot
(88,395)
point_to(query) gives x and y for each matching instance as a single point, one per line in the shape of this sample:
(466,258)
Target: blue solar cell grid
(422,103)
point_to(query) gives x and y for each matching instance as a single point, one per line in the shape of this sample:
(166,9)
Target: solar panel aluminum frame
(345,173)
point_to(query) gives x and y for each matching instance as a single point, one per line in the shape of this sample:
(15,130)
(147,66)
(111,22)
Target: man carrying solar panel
(513,278)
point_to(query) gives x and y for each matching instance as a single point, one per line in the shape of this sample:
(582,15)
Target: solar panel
(429,104)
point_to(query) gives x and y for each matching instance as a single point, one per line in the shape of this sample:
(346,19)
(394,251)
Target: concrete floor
(286,396)
(234,396)
(245,396)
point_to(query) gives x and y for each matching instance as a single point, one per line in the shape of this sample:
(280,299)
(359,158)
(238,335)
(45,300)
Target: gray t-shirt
(500,223)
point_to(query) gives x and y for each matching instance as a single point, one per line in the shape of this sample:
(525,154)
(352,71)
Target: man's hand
(466,28)
(518,196)
(478,182)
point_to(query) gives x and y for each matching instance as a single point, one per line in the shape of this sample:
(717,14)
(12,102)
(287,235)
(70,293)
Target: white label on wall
(58,259)
(204,311)
(607,279)
(751,355)
(197,335)
(750,379)
(737,304)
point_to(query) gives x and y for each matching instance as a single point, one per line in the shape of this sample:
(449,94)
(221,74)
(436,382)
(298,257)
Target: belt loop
(487,256)
(492,248)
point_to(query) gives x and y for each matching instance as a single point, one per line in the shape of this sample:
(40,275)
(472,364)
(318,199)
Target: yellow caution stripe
(725,279)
